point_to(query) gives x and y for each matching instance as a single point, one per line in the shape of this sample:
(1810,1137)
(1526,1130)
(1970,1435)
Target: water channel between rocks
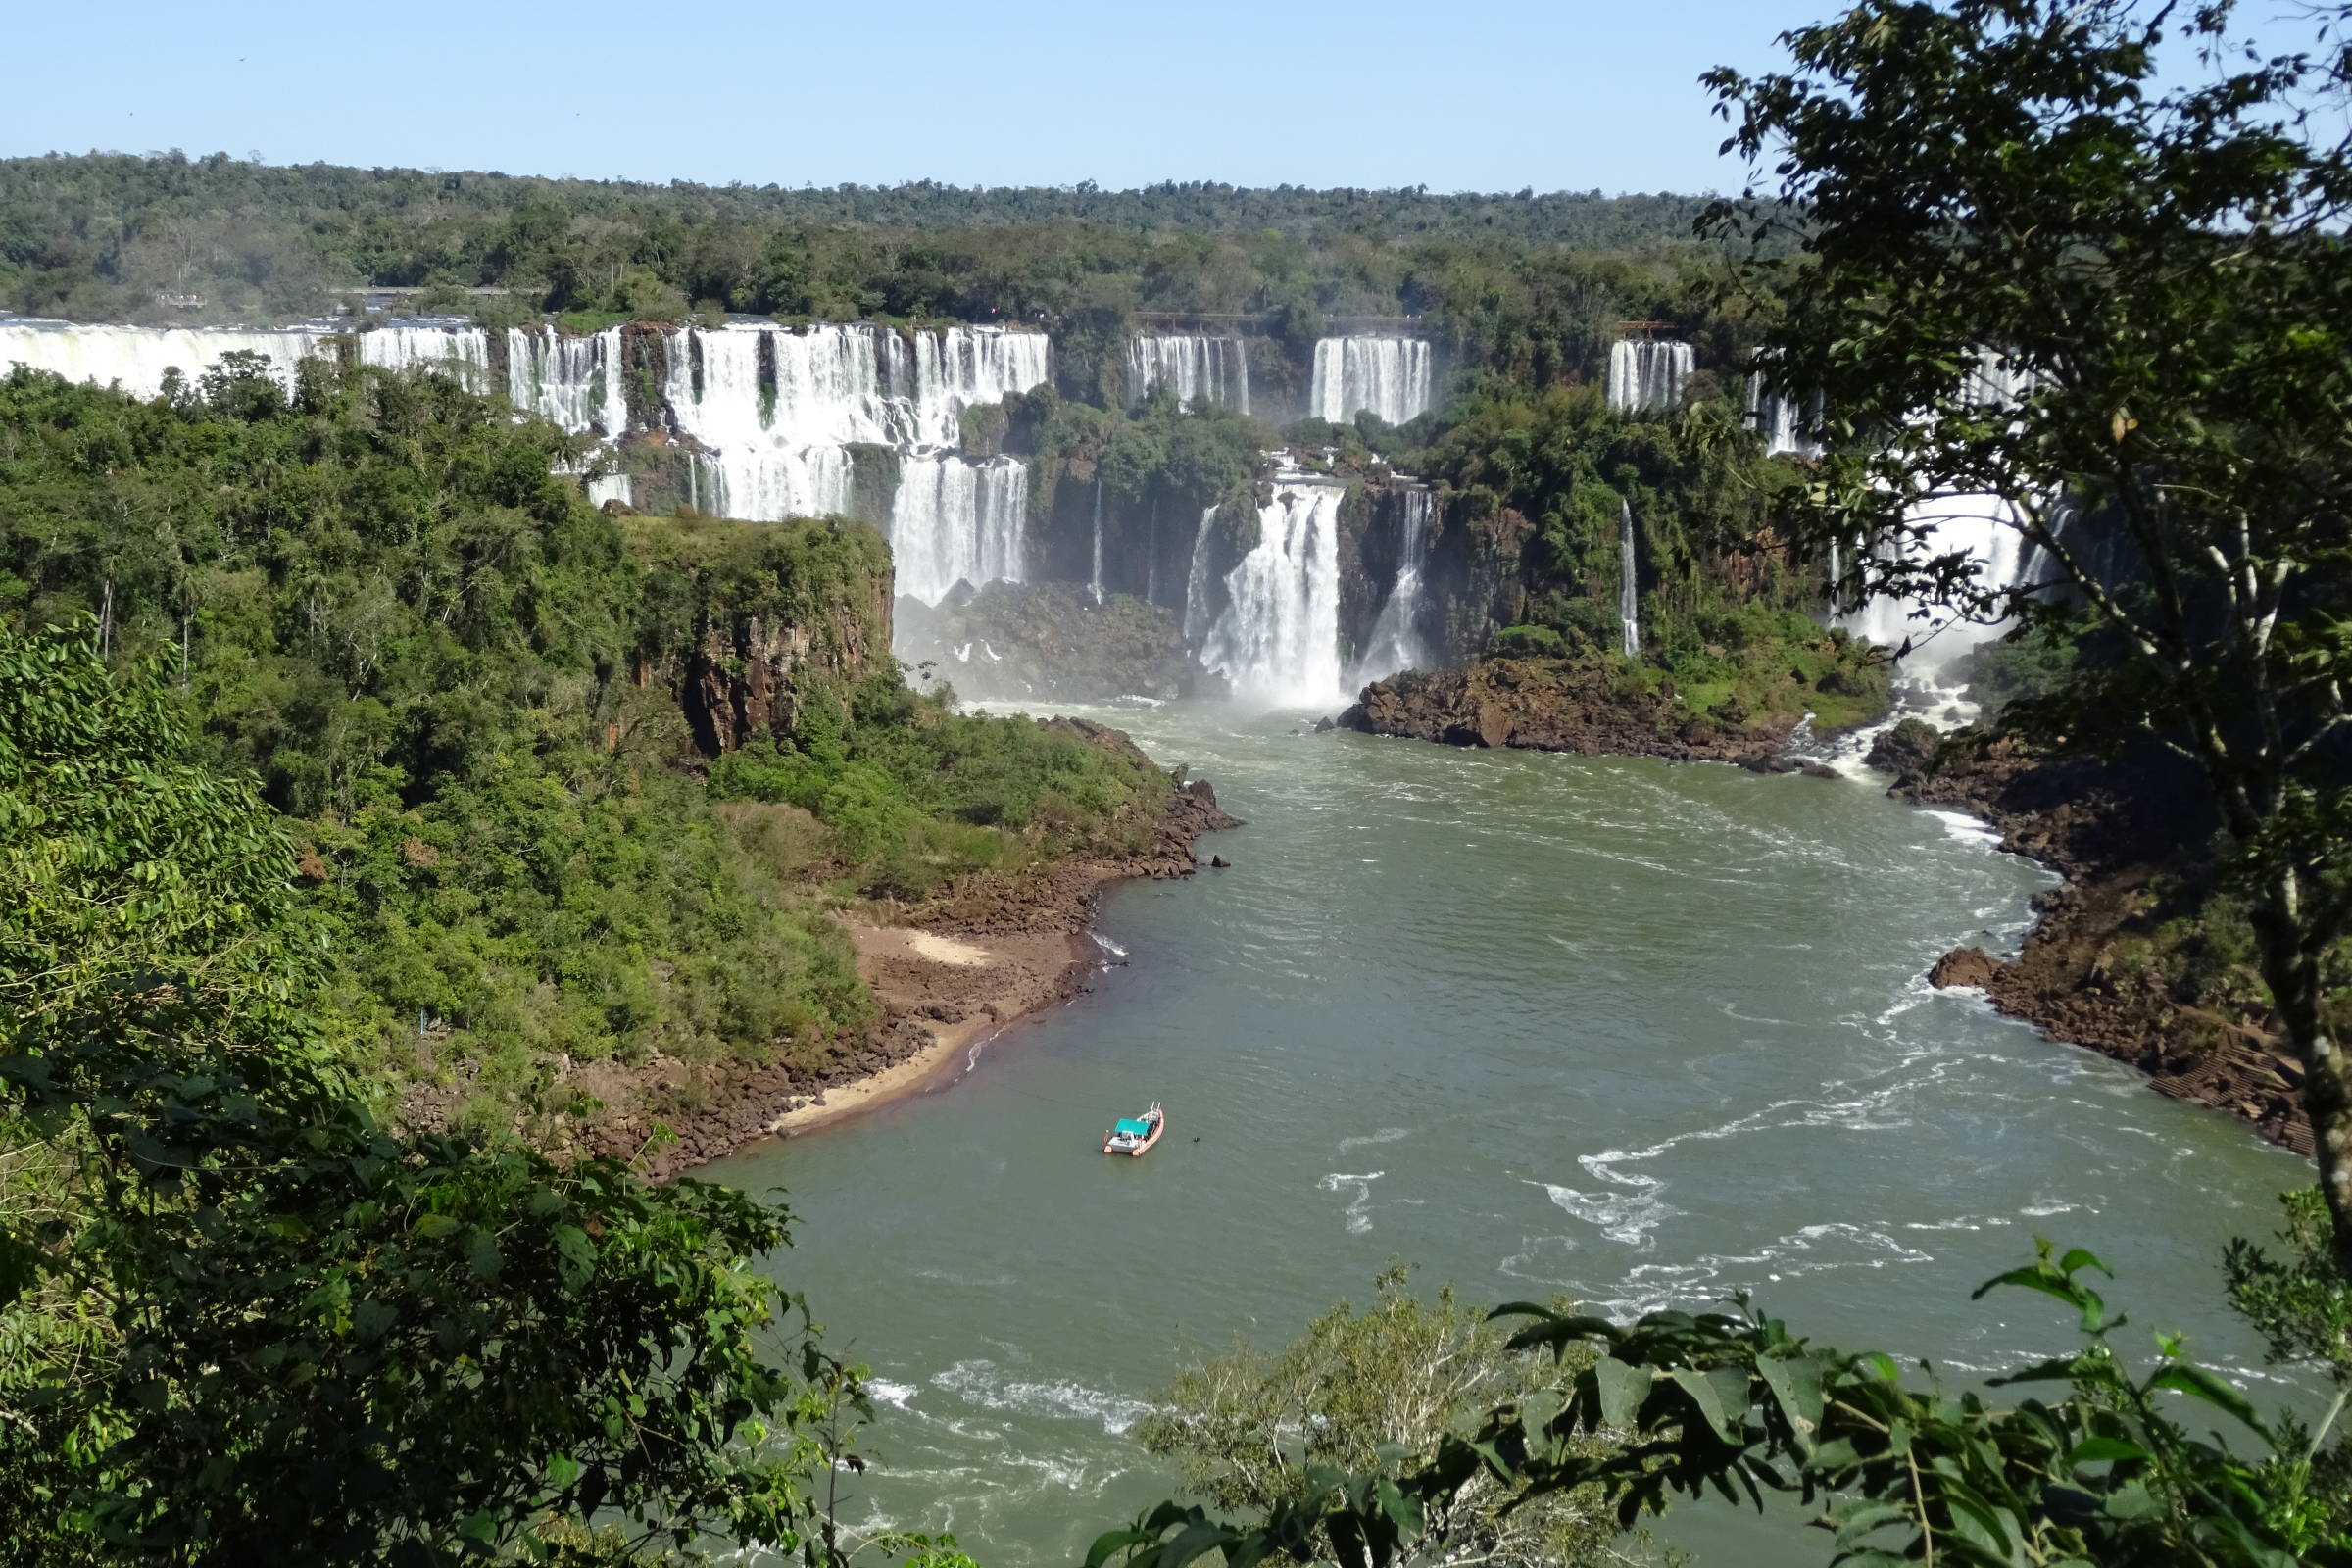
(1640,1032)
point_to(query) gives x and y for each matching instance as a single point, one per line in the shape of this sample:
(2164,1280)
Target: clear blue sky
(1474,95)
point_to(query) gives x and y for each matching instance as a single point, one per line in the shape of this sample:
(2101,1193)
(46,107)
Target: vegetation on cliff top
(472,693)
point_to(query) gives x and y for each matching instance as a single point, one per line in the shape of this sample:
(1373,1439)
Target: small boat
(1135,1136)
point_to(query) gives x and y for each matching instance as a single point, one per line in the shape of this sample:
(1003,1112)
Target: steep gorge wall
(743,622)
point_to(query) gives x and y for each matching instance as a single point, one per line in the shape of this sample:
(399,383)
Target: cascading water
(776,410)
(958,521)
(1094,583)
(1278,640)
(572,381)
(1783,421)
(1982,527)
(137,357)
(771,483)
(1200,612)
(1215,367)
(463,353)
(1647,373)
(1395,642)
(1628,582)
(1392,378)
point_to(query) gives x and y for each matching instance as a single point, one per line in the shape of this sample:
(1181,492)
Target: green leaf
(1860,1518)
(2096,1451)
(1704,1400)
(1621,1387)
(2200,1384)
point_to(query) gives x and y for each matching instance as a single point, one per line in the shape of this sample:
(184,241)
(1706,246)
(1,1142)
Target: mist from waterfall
(1628,582)
(1278,640)
(1396,643)
(957,521)
(1646,374)
(1215,367)
(1394,377)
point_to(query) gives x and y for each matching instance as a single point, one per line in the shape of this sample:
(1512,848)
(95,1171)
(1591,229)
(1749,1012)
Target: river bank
(2104,966)
(950,974)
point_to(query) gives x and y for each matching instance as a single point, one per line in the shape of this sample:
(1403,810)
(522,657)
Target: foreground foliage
(1374,1391)
(2106,1468)
(250,1323)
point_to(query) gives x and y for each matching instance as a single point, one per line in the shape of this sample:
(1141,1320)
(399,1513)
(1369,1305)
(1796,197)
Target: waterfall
(1395,641)
(776,410)
(957,521)
(463,353)
(572,381)
(611,487)
(1983,528)
(1152,557)
(1390,377)
(1094,584)
(767,484)
(1629,583)
(1278,640)
(1782,420)
(959,367)
(1646,373)
(137,358)
(1200,614)
(1215,367)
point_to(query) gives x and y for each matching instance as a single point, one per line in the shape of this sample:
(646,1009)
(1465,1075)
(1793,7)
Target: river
(1642,1032)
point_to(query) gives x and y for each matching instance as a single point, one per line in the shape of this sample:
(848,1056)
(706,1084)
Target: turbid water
(1642,1032)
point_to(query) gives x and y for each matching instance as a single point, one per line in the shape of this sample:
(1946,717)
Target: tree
(241,1320)
(2103,1470)
(1374,1391)
(2120,317)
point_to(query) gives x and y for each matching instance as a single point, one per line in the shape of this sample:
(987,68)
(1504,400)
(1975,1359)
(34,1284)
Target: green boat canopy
(1139,1129)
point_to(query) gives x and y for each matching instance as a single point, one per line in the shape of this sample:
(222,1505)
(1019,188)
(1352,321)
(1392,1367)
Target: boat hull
(1159,1125)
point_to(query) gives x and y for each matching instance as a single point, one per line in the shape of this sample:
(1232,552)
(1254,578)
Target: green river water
(1642,1032)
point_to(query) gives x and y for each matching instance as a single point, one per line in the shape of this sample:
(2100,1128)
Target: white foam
(891,1393)
(980,1383)
(1386,1135)
(1359,1209)
(1968,829)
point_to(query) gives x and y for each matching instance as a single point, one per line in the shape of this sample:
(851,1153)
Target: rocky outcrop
(2127,835)
(1964,966)
(1050,642)
(1585,706)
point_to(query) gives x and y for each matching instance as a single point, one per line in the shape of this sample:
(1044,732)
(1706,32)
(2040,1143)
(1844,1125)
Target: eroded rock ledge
(1556,706)
(2119,832)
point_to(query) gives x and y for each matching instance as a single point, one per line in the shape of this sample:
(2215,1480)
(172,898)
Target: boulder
(1964,966)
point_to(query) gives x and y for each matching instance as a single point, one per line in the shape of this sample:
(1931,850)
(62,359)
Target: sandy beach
(959,990)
